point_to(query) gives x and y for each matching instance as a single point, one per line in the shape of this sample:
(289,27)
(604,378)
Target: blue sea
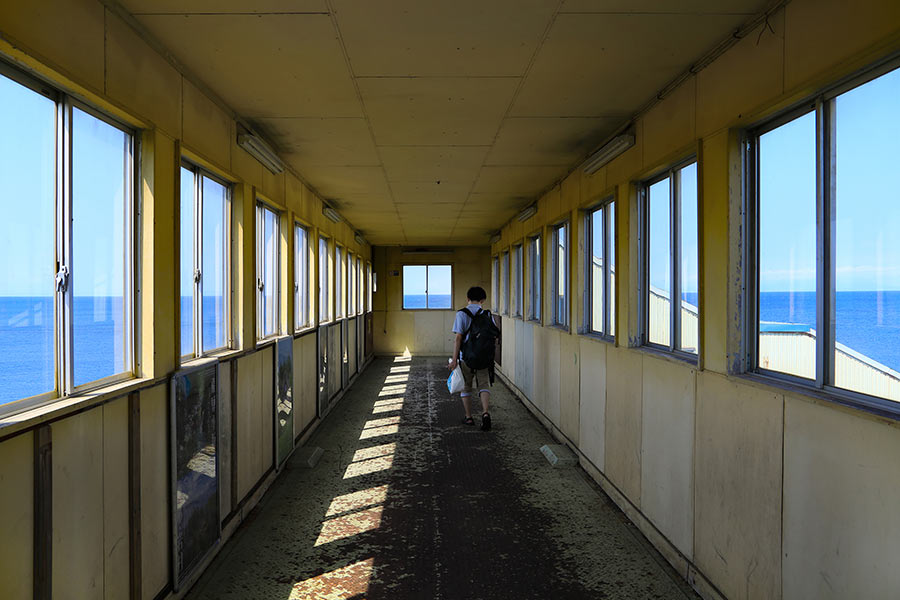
(867,322)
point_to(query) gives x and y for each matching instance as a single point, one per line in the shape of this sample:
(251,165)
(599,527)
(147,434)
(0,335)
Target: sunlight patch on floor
(392,390)
(382,422)
(357,500)
(374,452)
(374,432)
(396,379)
(350,525)
(400,369)
(387,407)
(345,583)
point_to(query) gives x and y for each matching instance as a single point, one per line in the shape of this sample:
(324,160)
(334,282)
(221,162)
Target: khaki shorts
(474,378)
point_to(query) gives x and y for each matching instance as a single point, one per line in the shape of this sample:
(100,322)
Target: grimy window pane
(270,273)
(301,273)
(439,286)
(867,252)
(504,281)
(595,270)
(186,249)
(660,293)
(339,281)
(612,269)
(214,268)
(351,285)
(27,166)
(517,277)
(324,308)
(495,280)
(562,265)
(787,248)
(100,155)
(415,285)
(687,181)
(536,281)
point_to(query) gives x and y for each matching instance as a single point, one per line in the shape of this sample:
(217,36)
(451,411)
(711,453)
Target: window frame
(324,269)
(675,259)
(517,271)
(535,270)
(495,282)
(608,243)
(567,276)
(261,207)
(822,384)
(302,310)
(504,283)
(199,172)
(339,285)
(427,268)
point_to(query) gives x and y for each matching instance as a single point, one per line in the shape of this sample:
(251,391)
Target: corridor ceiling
(433,122)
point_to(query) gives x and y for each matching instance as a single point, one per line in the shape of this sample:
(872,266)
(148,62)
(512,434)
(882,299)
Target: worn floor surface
(408,503)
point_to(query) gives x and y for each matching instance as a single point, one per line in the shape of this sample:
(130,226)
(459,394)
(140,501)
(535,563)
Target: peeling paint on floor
(409,503)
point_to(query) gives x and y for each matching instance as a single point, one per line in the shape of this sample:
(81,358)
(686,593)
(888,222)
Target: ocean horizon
(867,322)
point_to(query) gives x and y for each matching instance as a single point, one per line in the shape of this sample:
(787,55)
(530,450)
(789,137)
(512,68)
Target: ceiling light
(359,238)
(261,151)
(611,150)
(528,213)
(495,238)
(331,214)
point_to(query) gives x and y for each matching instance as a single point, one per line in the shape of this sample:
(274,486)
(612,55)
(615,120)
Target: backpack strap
(471,319)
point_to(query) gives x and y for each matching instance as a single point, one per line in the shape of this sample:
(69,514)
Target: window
(339,281)
(361,285)
(599,277)
(66,278)
(205,215)
(427,286)
(324,282)
(517,281)
(301,277)
(495,283)
(370,277)
(818,190)
(351,285)
(267,272)
(670,247)
(560,257)
(535,298)
(504,281)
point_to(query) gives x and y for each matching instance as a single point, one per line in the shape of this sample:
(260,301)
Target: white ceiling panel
(430,192)
(436,111)
(517,181)
(264,65)
(453,164)
(465,37)
(311,142)
(694,7)
(340,182)
(181,7)
(610,64)
(548,141)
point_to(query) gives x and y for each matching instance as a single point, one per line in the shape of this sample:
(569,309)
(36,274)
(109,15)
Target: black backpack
(478,346)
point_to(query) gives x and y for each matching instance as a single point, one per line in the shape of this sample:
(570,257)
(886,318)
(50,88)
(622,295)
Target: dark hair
(476,294)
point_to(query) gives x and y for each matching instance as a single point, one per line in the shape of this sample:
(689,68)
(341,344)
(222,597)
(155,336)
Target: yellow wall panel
(569,387)
(667,449)
(273,185)
(116,509)
(207,129)
(267,410)
(592,393)
(630,162)
(737,493)
(552,381)
(248,422)
(245,166)
(17,516)
(224,450)
(670,125)
(78,493)
(623,421)
(749,74)
(155,524)
(141,79)
(69,35)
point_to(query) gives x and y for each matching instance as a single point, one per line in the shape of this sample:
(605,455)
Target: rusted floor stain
(408,503)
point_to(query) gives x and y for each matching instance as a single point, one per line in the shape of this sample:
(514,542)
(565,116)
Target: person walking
(473,351)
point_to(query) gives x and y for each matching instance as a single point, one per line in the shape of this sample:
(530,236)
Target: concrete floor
(407,502)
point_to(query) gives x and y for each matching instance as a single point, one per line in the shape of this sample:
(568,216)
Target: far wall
(423,332)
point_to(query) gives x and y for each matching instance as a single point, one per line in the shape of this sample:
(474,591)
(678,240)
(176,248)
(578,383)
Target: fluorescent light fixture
(609,151)
(261,151)
(427,251)
(331,214)
(358,238)
(495,238)
(528,213)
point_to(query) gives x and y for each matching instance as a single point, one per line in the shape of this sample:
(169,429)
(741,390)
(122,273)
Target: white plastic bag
(456,383)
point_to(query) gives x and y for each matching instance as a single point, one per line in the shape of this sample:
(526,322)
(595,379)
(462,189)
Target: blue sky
(867,199)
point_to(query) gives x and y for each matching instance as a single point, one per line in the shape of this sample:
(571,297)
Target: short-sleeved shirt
(463,321)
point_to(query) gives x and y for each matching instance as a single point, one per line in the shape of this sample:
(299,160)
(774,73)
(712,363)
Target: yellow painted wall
(424,332)
(759,494)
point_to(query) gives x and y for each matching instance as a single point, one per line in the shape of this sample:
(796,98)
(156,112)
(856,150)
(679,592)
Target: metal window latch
(197,276)
(260,285)
(62,279)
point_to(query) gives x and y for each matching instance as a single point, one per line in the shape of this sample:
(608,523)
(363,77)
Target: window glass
(351,285)
(611,261)
(415,286)
(866,353)
(362,279)
(787,244)
(517,281)
(659,306)
(186,279)
(324,304)
(214,271)
(495,283)
(301,275)
(370,277)
(27,194)
(339,281)
(688,276)
(596,270)
(561,275)
(268,269)
(101,179)
(439,286)
(534,262)
(504,281)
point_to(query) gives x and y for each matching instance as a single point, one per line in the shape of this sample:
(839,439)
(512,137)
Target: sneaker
(485,422)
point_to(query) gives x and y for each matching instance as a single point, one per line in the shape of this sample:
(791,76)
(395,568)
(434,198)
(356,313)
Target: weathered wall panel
(623,421)
(592,391)
(569,387)
(17,516)
(116,509)
(155,524)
